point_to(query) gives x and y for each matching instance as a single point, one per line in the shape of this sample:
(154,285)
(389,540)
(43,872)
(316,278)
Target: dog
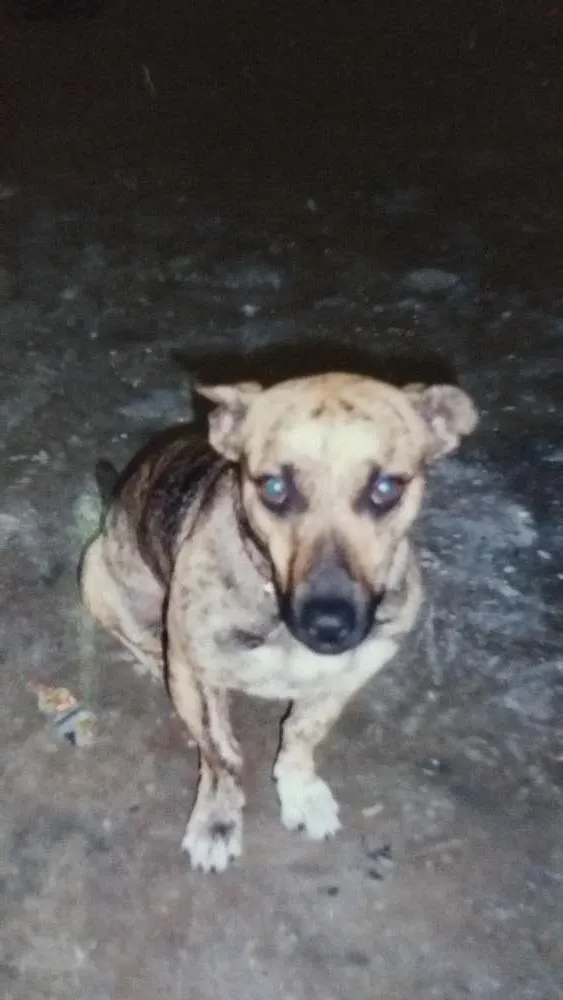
(271,556)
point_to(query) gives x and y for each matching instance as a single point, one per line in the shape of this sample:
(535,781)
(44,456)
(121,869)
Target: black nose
(328,623)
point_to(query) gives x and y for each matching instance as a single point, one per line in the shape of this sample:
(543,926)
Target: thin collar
(252,546)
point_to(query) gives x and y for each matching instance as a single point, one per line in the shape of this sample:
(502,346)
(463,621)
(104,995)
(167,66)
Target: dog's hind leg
(213,835)
(132,612)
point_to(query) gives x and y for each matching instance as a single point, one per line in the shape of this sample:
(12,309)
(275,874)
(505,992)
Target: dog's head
(332,476)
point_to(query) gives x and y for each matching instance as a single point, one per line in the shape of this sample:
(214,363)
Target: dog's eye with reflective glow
(274,491)
(385,492)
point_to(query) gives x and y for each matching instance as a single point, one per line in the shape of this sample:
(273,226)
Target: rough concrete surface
(447,880)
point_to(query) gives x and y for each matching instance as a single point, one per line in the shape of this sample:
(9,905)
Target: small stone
(374,810)
(381,862)
(434,766)
(330,890)
(250,310)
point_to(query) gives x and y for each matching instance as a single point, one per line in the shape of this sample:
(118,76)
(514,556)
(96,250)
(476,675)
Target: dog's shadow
(275,363)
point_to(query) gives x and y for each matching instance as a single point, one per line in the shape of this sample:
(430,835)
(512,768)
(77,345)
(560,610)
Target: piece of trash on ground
(71,722)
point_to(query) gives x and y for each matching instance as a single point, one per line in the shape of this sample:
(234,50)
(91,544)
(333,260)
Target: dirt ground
(148,231)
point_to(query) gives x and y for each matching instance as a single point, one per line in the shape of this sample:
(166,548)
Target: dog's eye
(274,491)
(385,492)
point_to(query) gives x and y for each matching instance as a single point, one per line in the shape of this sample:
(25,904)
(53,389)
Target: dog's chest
(285,669)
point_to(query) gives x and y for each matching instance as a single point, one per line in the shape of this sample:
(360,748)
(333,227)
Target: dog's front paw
(213,838)
(308,804)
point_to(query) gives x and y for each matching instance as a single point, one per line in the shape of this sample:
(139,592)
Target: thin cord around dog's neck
(251,544)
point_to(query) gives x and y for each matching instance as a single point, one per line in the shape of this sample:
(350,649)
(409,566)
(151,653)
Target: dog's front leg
(307,802)
(213,835)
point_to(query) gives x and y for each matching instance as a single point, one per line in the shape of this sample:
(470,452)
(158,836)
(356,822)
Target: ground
(116,284)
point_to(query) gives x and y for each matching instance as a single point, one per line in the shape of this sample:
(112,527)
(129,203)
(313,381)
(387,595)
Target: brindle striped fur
(195,576)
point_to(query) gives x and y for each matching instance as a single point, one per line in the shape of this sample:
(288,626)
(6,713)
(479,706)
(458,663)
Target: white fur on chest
(290,670)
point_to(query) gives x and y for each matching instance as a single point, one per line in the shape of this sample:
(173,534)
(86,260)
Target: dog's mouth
(327,623)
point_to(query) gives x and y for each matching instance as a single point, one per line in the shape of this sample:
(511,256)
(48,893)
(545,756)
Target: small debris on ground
(380,860)
(71,722)
(430,281)
(374,810)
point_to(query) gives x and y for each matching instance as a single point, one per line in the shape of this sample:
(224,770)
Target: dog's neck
(252,546)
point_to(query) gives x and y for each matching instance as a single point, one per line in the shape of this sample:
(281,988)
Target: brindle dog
(272,559)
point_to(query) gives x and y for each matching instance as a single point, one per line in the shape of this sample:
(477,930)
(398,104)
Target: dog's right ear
(226,420)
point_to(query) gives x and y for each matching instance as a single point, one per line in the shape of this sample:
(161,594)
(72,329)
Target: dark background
(261,90)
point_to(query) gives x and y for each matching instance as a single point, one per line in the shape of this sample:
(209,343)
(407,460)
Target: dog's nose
(328,623)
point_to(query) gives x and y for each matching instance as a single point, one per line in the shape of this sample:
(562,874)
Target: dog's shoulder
(171,482)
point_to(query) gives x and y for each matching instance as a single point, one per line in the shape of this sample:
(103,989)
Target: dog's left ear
(448,412)
(226,420)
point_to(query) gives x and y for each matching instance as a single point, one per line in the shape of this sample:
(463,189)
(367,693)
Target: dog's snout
(331,611)
(328,623)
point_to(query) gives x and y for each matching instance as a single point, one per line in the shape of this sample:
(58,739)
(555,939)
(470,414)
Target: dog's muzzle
(330,612)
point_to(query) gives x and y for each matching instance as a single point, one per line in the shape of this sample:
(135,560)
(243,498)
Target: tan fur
(190,551)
